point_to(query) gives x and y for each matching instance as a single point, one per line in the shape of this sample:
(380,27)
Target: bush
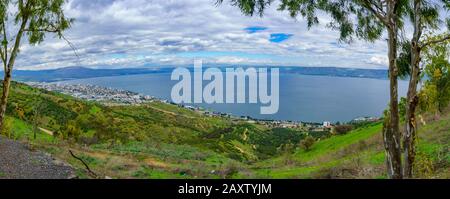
(307,143)
(286,148)
(7,127)
(342,129)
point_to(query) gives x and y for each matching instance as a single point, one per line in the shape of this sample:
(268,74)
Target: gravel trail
(17,161)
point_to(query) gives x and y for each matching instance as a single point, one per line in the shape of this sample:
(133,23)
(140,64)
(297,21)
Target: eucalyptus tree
(425,20)
(367,20)
(30,19)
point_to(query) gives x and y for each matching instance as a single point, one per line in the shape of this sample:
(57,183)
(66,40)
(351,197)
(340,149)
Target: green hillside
(157,140)
(360,154)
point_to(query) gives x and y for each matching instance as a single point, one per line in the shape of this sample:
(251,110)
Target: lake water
(302,97)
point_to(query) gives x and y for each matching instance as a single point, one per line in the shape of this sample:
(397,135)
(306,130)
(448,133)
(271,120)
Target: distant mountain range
(338,72)
(70,73)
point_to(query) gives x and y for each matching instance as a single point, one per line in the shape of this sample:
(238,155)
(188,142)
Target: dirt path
(168,112)
(17,161)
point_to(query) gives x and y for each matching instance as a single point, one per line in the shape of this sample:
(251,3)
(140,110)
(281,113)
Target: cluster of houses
(94,93)
(309,126)
(365,119)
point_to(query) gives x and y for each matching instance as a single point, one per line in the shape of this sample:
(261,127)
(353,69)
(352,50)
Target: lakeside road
(17,161)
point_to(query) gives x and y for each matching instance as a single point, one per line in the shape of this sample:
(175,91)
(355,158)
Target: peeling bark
(392,137)
(409,137)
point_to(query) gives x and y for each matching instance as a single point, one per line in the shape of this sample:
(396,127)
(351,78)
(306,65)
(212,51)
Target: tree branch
(50,28)
(447,37)
(71,45)
(15,48)
(84,163)
(41,30)
(5,47)
(381,15)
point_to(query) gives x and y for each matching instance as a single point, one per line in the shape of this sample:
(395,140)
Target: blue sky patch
(279,37)
(254,29)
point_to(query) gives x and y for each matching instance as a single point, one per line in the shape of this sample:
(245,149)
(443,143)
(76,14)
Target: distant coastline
(114,97)
(320,95)
(72,73)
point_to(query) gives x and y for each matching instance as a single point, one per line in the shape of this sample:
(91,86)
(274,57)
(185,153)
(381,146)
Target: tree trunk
(4,100)
(409,138)
(392,137)
(8,71)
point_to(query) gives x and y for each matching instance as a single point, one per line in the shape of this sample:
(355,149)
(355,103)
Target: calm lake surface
(302,98)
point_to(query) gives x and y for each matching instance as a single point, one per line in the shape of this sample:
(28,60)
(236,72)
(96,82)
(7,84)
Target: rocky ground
(17,161)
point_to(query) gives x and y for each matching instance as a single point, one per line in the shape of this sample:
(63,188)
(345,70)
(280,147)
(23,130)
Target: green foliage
(402,108)
(307,143)
(7,127)
(39,17)
(286,148)
(267,142)
(436,92)
(423,166)
(250,7)
(342,129)
(71,130)
(404,60)
(336,142)
(428,98)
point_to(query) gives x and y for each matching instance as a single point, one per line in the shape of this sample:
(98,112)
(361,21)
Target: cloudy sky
(152,33)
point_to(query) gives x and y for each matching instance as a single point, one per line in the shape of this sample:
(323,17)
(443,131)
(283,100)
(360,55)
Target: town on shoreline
(112,96)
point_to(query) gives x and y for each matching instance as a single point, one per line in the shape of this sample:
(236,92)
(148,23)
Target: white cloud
(136,33)
(379,60)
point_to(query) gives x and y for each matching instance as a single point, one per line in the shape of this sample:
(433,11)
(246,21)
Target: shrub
(307,143)
(7,127)
(423,166)
(342,129)
(286,148)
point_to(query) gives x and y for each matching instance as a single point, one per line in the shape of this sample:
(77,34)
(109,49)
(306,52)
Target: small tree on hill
(307,143)
(7,127)
(31,19)
(342,129)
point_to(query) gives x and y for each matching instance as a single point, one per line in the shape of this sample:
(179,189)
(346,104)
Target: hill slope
(158,140)
(360,154)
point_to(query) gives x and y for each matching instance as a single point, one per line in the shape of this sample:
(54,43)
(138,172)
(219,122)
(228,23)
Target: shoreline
(110,95)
